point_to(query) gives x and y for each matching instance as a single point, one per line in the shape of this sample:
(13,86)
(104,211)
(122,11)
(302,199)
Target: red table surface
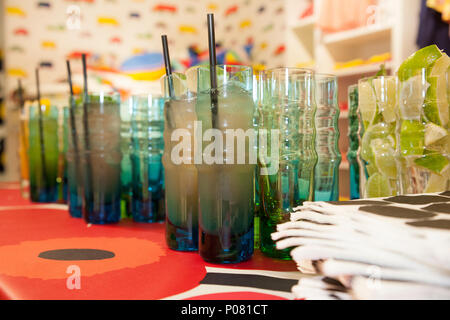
(142,268)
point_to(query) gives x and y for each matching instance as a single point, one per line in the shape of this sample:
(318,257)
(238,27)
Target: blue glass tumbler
(147,123)
(101,158)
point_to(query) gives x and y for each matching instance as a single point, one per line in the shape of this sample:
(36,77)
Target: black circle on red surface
(76,254)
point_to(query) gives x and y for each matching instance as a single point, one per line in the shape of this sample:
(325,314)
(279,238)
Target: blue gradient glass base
(354,181)
(44,195)
(75,205)
(181,239)
(147,211)
(105,213)
(239,249)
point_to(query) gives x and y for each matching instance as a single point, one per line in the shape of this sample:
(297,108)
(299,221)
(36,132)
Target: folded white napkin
(399,242)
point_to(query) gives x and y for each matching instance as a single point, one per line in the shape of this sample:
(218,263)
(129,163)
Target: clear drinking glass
(289,106)
(74,155)
(423,133)
(43,154)
(126,175)
(23,152)
(226,174)
(327,139)
(377,111)
(181,176)
(353,137)
(147,123)
(101,159)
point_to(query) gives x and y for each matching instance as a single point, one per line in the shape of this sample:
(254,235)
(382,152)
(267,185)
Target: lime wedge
(412,138)
(424,58)
(378,131)
(436,183)
(378,186)
(441,66)
(384,153)
(436,106)
(436,163)
(386,94)
(412,97)
(434,133)
(367,102)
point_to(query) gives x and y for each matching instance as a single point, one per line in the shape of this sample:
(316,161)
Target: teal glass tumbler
(353,138)
(147,123)
(288,156)
(326,173)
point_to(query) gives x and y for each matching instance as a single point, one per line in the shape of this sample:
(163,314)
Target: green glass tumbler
(288,161)
(43,154)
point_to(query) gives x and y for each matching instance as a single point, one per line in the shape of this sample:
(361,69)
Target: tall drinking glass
(353,137)
(423,133)
(43,160)
(126,175)
(288,162)
(181,176)
(226,174)
(101,159)
(147,122)
(377,110)
(327,139)
(23,152)
(73,157)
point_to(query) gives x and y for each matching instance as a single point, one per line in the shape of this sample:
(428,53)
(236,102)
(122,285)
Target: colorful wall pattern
(114,32)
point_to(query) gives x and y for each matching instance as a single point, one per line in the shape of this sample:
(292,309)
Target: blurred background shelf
(361,70)
(358,36)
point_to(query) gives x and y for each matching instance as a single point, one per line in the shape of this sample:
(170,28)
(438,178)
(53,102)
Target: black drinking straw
(72,113)
(167,64)
(212,64)
(41,131)
(86,126)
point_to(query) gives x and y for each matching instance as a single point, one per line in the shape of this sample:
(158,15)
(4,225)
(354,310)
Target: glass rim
(290,70)
(225,66)
(365,79)
(325,76)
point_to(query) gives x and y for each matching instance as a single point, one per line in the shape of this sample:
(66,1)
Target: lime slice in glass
(412,138)
(434,162)
(367,103)
(378,186)
(436,183)
(384,154)
(412,97)
(386,91)
(436,108)
(434,133)
(424,58)
(378,131)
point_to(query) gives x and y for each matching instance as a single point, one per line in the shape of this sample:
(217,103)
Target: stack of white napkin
(392,248)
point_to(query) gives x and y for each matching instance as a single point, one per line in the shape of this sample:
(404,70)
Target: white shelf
(358,36)
(360,70)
